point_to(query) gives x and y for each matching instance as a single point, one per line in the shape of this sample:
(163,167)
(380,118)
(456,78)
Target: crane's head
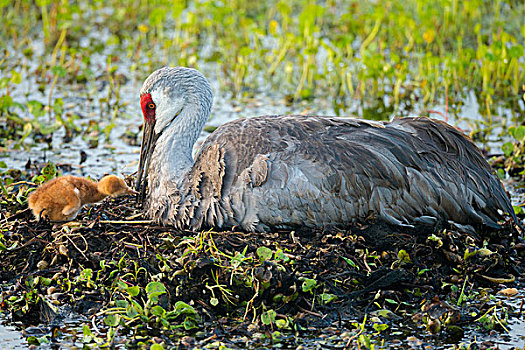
(171,96)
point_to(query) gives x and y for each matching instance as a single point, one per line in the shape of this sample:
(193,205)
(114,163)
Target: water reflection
(10,337)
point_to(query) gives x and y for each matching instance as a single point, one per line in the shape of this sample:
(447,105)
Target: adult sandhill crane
(293,171)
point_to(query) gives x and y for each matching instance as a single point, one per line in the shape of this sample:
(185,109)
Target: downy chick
(61,199)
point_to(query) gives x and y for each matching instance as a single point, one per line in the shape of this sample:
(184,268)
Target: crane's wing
(294,170)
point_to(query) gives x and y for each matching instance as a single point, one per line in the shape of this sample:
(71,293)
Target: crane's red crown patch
(148,107)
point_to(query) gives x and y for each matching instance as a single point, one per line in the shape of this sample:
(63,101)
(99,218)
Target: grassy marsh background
(403,53)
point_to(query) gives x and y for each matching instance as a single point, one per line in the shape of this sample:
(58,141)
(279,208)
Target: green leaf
(45,281)
(86,331)
(112,320)
(177,9)
(264,253)
(364,339)
(49,171)
(6,101)
(268,317)
(385,313)
(519,133)
(507,148)
(4,82)
(42,3)
(189,323)
(516,51)
(32,340)
(32,281)
(279,255)
(183,308)
(59,71)
(327,297)
(4,3)
(122,303)
(158,311)
(4,190)
(133,291)
(380,326)
(156,16)
(36,108)
(237,259)
(422,271)
(403,256)
(282,323)
(121,286)
(134,309)
(16,78)
(154,289)
(86,275)
(309,284)
(245,51)
(349,261)
(156,347)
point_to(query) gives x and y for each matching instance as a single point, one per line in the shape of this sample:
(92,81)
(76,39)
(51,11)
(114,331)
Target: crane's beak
(149,138)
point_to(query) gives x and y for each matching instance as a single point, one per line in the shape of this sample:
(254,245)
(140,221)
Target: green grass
(407,51)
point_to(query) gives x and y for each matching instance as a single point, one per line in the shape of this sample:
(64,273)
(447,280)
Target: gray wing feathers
(482,192)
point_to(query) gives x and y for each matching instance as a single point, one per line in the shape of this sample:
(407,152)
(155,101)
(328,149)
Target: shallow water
(515,338)
(10,337)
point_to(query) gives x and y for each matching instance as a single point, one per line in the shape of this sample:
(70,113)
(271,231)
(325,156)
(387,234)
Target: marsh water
(10,337)
(14,337)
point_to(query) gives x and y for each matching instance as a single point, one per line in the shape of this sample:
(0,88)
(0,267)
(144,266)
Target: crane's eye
(151,105)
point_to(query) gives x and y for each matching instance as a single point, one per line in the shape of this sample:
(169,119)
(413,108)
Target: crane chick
(61,199)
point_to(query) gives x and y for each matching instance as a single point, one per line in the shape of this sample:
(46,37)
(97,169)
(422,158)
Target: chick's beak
(149,138)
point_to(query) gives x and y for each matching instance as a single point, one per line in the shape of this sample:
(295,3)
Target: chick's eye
(151,105)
